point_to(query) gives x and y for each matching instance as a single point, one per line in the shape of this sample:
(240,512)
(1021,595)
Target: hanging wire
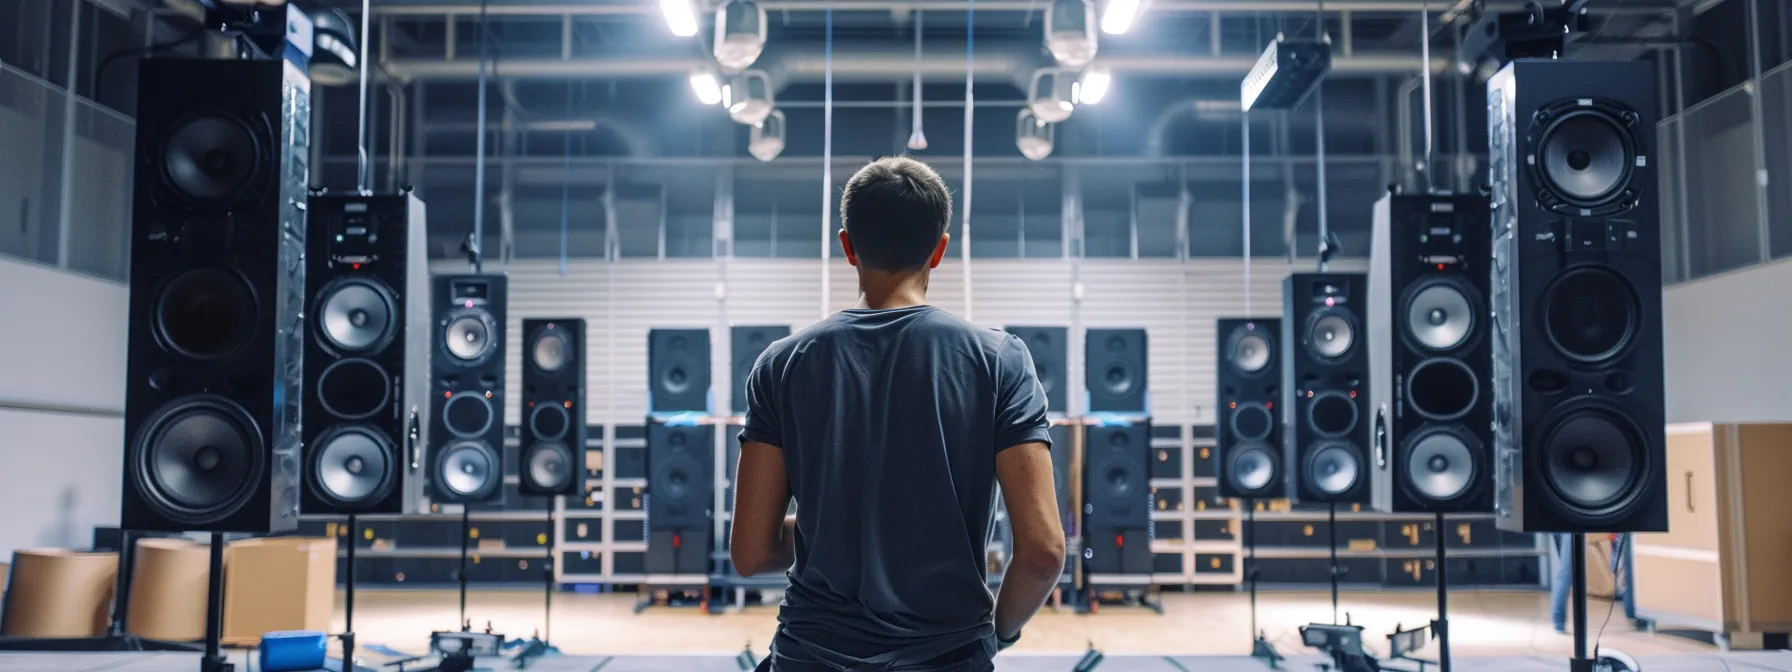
(364,167)
(478,241)
(1425,77)
(566,182)
(1325,249)
(1247,214)
(827,163)
(970,109)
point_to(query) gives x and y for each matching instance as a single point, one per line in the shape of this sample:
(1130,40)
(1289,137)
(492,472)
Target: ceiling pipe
(628,8)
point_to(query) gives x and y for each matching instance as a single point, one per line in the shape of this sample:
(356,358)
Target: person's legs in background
(1561,550)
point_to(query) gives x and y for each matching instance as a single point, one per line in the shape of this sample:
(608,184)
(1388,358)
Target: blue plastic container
(293,650)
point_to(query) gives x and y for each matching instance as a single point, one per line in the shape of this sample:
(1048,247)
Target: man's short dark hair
(895,209)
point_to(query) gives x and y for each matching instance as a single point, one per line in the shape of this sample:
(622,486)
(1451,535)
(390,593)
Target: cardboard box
(279,583)
(57,592)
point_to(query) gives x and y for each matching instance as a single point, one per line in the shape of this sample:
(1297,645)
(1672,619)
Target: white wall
(62,371)
(1728,346)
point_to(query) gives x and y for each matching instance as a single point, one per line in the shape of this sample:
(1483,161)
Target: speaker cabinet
(467,422)
(1432,386)
(552,459)
(745,344)
(1114,370)
(1248,428)
(1117,498)
(1325,400)
(217,290)
(366,265)
(680,477)
(1578,412)
(1050,348)
(678,370)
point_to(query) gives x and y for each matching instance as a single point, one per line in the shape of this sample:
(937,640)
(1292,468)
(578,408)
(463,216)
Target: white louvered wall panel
(1176,302)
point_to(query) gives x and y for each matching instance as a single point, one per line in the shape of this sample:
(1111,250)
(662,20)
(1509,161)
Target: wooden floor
(1483,624)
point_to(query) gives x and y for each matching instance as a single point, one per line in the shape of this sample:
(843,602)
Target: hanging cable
(827,162)
(970,110)
(474,250)
(1325,246)
(1247,214)
(1425,76)
(566,182)
(364,165)
(917,141)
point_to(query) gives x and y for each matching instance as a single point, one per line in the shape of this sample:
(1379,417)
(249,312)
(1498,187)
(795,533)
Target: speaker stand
(537,647)
(1441,626)
(1580,662)
(116,639)
(466,528)
(1331,531)
(348,597)
(1261,649)
(213,659)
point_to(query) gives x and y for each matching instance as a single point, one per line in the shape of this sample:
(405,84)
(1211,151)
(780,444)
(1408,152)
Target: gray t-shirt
(890,421)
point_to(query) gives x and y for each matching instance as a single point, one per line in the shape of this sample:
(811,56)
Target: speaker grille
(198,459)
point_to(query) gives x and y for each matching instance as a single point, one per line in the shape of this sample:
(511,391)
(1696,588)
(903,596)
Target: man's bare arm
(1025,472)
(764,539)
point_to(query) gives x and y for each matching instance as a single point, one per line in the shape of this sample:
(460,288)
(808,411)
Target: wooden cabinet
(1725,565)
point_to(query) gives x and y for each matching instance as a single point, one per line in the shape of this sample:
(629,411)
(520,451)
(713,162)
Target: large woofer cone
(1586,158)
(467,414)
(1440,316)
(1442,388)
(1332,414)
(1330,335)
(1251,422)
(548,465)
(468,470)
(353,466)
(551,351)
(1590,314)
(211,159)
(356,315)
(549,421)
(469,336)
(352,389)
(677,483)
(1594,461)
(206,313)
(1333,469)
(1249,350)
(1253,468)
(1440,466)
(197,460)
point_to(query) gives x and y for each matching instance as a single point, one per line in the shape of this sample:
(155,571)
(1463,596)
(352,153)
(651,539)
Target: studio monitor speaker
(1050,349)
(1578,415)
(678,370)
(1431,387)
(680,476)
(365,381)
(1117,498)
(1248,427)
(217,291)
(467,422)
(1114,370)
(552,459)
(745,344)
(1325,400)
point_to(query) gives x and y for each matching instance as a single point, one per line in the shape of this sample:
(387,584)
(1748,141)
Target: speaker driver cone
(551,350)
(1440,467)
(1590,314)
(1250,351)
(1440,316)
(357,315)
(1333,469)
(468,336)
(677,482)
(467,414)
(468,470)
(197,459)
(1594,461)
(210,158)
(353,465)
(549,420)
(1330,335)
(1253,467)
(549,465)
(206,313)
(1586,158)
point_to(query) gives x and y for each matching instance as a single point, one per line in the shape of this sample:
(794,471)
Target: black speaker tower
(1050,348)
(1325,396)
(1578,411)
(1117,499)
(467,423)
(744,345)
(1248,426)
(216,337)
(678,370)
(680,497)
(552,459)
(1115,370)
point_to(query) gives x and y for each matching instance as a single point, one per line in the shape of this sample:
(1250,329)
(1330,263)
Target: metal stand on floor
(1441,627)
(1261,649)
(348,598)
(1331,530)
(1581,662)
(540,646)
(213,659)
(466,530)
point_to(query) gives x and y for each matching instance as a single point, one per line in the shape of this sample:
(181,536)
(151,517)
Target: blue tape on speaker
(293,650)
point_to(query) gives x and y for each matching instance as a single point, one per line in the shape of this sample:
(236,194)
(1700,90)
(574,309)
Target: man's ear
(939,251)
(846,244)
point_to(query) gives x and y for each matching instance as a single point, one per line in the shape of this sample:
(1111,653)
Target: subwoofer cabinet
(1723,564)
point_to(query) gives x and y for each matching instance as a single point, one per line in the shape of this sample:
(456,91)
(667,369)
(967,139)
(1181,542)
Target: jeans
(1562,546)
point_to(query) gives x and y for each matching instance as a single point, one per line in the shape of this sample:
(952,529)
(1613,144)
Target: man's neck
(886,291)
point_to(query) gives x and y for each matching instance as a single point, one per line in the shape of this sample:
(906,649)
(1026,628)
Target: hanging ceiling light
(1092,87)
(1032,136)
(766,140)
(917,141)
(1050,96)
(681,17)
(708,90)
(334,58)
(1070,32)
(740,34)
(748,97)
(1119,16)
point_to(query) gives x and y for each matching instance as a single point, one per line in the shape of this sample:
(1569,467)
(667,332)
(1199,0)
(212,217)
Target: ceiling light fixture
(740,34)
(1093,87)
(1070,32)
(708,90)
(681,17)
(1119,16)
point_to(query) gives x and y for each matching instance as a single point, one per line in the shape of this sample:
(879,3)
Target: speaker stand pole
(547,582)
(1581,662)
(1441,626)
(213,659)
(348,598)
(1331,531)
(466,528)
(1261,649)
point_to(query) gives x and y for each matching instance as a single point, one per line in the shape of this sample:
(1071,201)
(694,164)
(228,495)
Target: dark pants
(969,658)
